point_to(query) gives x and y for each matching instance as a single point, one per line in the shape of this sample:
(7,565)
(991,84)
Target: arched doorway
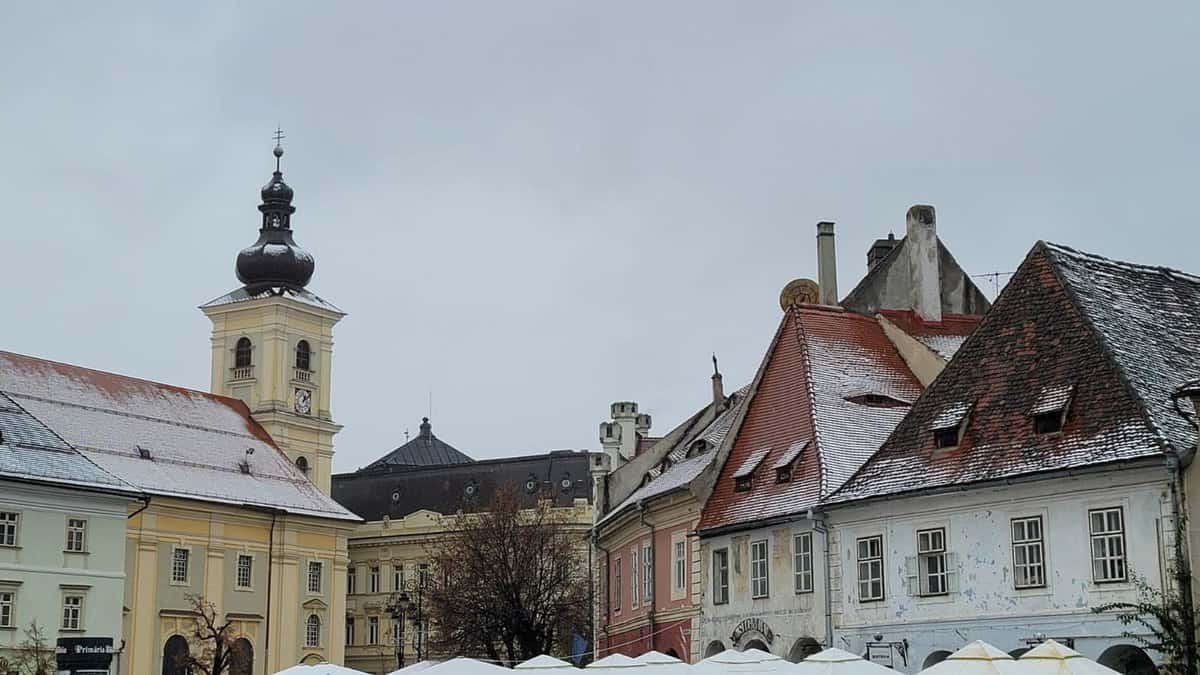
(241,658)
(175,656)
(935,658)
(715,647)
(756,644)
(1128,659)
(802,649)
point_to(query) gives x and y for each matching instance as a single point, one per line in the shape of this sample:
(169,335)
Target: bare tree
(213,637)
(513,581)
(33,656)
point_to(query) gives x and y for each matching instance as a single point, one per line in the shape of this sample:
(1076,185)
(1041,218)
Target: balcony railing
(241,373)
(302,375)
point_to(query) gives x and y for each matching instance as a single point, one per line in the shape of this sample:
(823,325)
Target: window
(302,464)
(802,562)
(312,631)
(679,565)
(8,528)
(372,630)
(395,633)
(398,577)
(617,585)
(303,355)
(1048,423)
(7,600)
(633,579)
(76,535)
(349,630)
(647,574)
(72,614)
(931,561)
(945,438)
(245,570)
(743,483)
(783,474)
(1029,568)
(1108,544)
(351,580)
(720,570)
(241,354)
(423,575)
(180,563)
(373,581)
(314,576)
(870,568)
(760,586)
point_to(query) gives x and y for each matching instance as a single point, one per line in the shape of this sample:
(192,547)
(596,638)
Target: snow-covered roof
(1054,398)
(195,441)
(791,455)
(244,294)
(950,416)
(751,463)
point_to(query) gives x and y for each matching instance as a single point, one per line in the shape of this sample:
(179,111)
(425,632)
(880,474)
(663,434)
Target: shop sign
(752,625)
(84,654)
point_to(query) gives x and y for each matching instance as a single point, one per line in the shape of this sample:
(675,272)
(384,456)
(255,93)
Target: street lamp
(399,604)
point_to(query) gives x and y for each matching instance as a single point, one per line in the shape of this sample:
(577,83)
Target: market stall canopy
(835,661)
(320,669)
(663,663)
(749,661)
(977,658)
(416,667)
(543,663)
(464,666)
(1053,658)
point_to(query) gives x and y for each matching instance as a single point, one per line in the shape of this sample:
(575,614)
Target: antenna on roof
(994,277)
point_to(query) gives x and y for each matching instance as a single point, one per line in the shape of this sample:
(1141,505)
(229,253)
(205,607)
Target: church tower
(272,339)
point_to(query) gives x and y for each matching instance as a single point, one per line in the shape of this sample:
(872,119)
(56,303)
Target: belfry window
(302,464)
(303,355)
(241,354)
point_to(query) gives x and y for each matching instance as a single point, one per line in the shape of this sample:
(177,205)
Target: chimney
(718,386)
(922,247)
(880,250)
(827,293)
(619,438)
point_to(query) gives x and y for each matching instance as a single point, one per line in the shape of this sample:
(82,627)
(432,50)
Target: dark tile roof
(195,440)
(396,491)
(1111,340)
(820,366)
(424,450)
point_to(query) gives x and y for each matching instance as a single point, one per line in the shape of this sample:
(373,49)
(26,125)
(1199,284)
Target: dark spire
(426,429)
(275,259)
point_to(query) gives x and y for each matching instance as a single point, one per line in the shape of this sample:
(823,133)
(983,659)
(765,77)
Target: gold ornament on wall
(798,292)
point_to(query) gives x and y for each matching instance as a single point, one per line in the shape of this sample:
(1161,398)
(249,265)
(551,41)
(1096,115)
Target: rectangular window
(8,528)
(395,633)
(398,577)
(76,535)
(349,630)
(245,570)
(72,614)
(1107,528)
(373,580)
(931,561)
(7,601)
(180,563)
(720,570)
(647,574)
(760,586)
(423,575)
(679,565)
(314,576)
(633,579)
(617,585)
(372,630)
(1029,567)
(802,562)
(870,569)
(351,580)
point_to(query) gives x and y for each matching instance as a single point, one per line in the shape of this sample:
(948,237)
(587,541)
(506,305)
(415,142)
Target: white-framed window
(423,575)
(372,630)
(314,576)
(870,568)
(634,590)
(9,520)
(931,561)
(76,535)
(1107,528)
(647,574)
(802,562)
(312,631)
(8,602)
(760,582)
(398,577)
(72,612)
(351,580)
(181,562)
(617,585)
(373,580)
(679,565)
(395,633)
(1029,559)
(245,570)
(720,571)
(349,630)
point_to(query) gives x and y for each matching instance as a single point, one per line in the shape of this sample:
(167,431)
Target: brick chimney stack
(921,245)
(827,293)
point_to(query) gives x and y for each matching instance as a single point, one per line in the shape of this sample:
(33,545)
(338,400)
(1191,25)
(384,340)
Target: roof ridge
(818,444)
(1097,258)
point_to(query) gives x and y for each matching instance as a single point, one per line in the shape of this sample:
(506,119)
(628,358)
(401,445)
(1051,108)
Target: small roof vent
(144,453)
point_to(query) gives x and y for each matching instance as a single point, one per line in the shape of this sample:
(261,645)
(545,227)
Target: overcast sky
(536,208)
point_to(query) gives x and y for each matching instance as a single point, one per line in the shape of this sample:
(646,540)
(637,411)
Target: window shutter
(912,575)
(952,572)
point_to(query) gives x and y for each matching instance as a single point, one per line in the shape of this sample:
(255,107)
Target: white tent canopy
(320,669)
(977,658)
(1053,658)
(618,663)
(414,668)
(663,663)
(464,666)
(543,663)
(749,661)
(834,661)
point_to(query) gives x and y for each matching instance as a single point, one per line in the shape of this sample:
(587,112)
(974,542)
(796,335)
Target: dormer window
(303,355)
(783,465)
(874,400)
(241,353)
(743,478)
(948,425)
(1049,411)
(945,438)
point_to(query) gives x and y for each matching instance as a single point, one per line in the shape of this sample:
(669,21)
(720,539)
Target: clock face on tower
(303,401)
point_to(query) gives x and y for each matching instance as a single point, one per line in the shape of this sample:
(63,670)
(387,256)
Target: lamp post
(401,601)
(397,606)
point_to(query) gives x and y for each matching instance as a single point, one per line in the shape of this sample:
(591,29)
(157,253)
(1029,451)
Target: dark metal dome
(275,259)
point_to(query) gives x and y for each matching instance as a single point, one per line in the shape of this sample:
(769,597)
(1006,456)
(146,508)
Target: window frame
(720,576)
(80,530)
(927,554)
(872,563)
(10,604)
(763,579)
(373,579)
(186,580)
(398,576)
(616,599)
(312,638)
(304,355)
(647,573)
(319,567)
(802,579)
(10,529)
(372,630)
(237,572)
(350,631)
(1110,536)
(72,611)
(679,565)
(634,579)
(1025,544)
(243,358)
(351,580)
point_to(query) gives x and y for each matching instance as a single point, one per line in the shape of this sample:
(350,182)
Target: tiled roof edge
(817,443)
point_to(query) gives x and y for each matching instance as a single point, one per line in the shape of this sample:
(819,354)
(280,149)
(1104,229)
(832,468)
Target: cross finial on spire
(278,145)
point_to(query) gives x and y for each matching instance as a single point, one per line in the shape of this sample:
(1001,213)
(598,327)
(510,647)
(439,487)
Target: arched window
(241,355)
(176,657)
(241,661)
(302,463)
(303,355)
(312,631)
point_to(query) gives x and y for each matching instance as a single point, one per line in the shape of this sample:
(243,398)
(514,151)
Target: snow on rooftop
(1052,399)
(790,456)
(751,463)
(950,416)
(299,294)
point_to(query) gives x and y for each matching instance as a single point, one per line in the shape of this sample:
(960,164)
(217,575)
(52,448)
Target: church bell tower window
(303,356)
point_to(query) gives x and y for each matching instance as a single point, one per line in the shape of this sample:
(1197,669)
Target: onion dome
(275,259)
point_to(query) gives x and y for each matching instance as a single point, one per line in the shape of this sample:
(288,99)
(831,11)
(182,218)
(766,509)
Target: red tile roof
(820,359)
(943,337)
(1109,340)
